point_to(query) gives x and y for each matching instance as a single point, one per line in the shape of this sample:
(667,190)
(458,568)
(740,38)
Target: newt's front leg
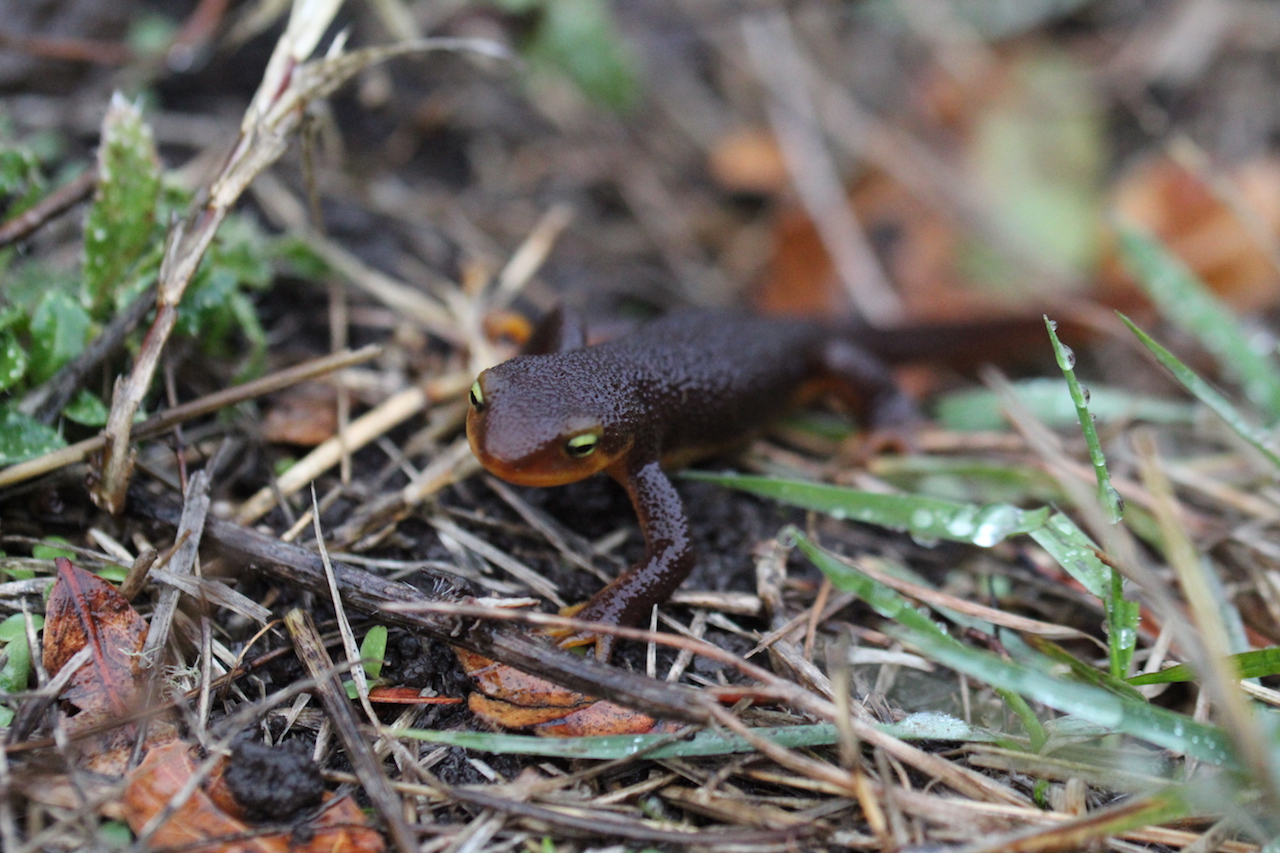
(667,560)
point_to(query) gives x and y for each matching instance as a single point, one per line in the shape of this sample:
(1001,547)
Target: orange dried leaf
(196,824)
(1196,221)
(512,699)
(201,823)
(388,695)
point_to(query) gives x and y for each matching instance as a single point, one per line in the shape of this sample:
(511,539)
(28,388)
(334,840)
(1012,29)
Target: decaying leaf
(203,823)
(305,414)
(1208,229)
(85,610)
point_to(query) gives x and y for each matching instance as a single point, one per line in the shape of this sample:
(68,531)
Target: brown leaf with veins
(201,824)
(85,610)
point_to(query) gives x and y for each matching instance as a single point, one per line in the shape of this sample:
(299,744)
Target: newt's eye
(582,445)
(477,396)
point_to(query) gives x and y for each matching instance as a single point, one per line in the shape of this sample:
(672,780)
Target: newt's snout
(526,436)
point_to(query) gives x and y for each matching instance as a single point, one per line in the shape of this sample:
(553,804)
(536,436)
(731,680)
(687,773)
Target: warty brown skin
(680,388)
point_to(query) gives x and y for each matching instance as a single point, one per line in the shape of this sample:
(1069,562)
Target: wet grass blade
(1255,664)
(922,517)
(1107,495)
(1115,713)
(1168,729)
(1077,554)
(1206,394)
(1184,299)
(979,408)
(922,726)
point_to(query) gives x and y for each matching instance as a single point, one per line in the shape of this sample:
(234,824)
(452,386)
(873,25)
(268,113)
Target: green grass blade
(1206,394)
(922,726)
(1164,728)
(1168,729)
(885,601)
(1081,670)
(974,409)
(1183,298)
(1076,553)
(923,517)
(1253,664)
(1107,495)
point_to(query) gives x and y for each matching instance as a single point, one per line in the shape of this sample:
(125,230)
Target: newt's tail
(968,344)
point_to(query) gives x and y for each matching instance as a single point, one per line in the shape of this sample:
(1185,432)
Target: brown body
(678,389)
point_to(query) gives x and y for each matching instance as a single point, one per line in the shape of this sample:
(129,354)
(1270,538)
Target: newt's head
(547,420)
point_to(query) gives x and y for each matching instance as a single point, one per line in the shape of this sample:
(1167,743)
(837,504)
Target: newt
(681,388)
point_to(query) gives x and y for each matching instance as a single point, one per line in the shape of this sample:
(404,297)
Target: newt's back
(704,378)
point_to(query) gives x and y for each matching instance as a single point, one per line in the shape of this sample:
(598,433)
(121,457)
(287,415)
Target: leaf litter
(909,662)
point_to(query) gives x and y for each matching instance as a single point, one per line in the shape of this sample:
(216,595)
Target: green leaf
(15,626)
(23,438)
(299,259)
(1253,664)
(115,574)
(21,181)
(216,308)
(17,666)
(13,360)
(151,35)
(243,251)
(1039,151)
(373,651)
(924,518)
(52,548)
(251,327)
(60,328)
(1205,393)
(113,835)
(579,38)
(121,223)
(11,316)
(1184,299)
(86,409)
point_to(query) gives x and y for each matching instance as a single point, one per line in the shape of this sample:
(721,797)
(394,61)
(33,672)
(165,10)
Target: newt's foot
(569,638)
(512,699)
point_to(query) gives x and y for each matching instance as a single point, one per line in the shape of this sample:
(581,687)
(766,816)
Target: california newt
(680,388)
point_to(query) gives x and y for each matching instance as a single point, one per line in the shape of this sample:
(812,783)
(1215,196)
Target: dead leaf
(749,161)
(511,699)
(915,244)
(393,695)
(305,414)
(1193,218)
(85,610)
(200,824)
